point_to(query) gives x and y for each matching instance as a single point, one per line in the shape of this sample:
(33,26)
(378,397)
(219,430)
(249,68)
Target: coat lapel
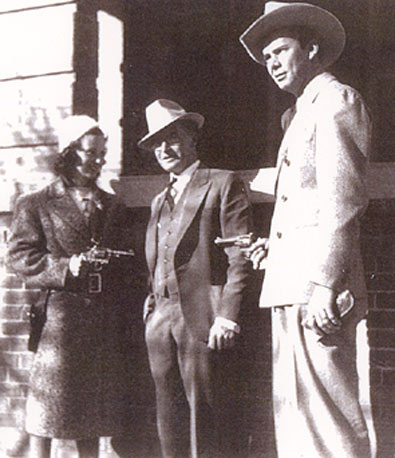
(65,208)
(100,216)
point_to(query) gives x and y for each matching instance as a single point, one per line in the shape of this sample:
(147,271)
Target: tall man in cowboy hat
(314,272)
(197,288)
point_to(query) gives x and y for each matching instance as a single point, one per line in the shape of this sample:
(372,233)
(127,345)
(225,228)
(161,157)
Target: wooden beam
(139,190)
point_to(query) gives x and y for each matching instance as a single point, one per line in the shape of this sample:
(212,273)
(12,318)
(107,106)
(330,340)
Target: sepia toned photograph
(197,229)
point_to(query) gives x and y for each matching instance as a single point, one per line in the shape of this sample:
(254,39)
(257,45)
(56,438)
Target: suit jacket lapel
(190,203)
(192,198)
(282,156)
(283,151)
(303,105)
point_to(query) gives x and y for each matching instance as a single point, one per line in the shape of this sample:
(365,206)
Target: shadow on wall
(26,161)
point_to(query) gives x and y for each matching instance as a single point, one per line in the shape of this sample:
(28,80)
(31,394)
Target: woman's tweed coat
(80,383)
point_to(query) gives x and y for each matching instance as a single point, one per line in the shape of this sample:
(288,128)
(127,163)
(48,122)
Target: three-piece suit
(314,240)
(80,381)
(193,282)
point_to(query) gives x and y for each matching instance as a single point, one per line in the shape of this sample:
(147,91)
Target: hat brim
(330,31)
(197,118)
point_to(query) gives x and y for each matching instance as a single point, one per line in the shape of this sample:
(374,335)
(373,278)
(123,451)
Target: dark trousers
(189,414)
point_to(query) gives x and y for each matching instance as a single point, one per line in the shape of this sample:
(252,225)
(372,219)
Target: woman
(80,379)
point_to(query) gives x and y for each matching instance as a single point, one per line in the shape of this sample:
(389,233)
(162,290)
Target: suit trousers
(182,369)
(315,390)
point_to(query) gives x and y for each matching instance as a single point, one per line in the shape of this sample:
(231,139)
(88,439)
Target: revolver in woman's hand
(102,255)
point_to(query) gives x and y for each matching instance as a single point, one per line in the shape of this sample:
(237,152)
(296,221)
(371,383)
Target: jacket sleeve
(235,219)
(28,255)
(342,148)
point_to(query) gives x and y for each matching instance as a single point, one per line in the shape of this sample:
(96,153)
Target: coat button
(284,198)
(279,235)
(287,162)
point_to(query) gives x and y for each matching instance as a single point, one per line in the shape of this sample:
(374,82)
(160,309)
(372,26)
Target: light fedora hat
(74,127)
(163,113)
(280,15)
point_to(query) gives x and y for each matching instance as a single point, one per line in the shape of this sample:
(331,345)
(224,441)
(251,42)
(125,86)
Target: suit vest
(165,281)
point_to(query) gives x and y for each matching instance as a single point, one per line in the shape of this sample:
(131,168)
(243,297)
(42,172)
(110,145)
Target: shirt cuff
(227,324)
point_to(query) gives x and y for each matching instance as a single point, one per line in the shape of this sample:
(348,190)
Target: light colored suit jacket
(211,280)
(320,196)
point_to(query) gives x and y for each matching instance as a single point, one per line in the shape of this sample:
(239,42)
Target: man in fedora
(314,278)
(192,315)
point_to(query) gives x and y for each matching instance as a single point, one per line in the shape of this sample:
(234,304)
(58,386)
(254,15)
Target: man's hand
(322,314)
(220,337)
(149,306)
(257,252)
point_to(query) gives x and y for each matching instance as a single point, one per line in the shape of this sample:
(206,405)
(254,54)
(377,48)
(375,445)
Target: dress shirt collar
(184,177)
(182,180)
(312,89)
(80,194)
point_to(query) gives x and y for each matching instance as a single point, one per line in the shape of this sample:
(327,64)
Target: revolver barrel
(99,255)
(242,241)
(119,253)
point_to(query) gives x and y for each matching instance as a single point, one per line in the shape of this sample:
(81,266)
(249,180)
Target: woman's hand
(75,264)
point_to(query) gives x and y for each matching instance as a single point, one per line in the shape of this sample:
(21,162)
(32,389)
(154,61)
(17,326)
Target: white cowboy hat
(280,15)
(73,128)
(161,114)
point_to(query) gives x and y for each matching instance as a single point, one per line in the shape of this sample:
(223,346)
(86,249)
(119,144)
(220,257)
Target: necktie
(170,193)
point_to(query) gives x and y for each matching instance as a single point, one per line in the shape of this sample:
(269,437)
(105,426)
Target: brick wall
(14,326)
(378,241)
